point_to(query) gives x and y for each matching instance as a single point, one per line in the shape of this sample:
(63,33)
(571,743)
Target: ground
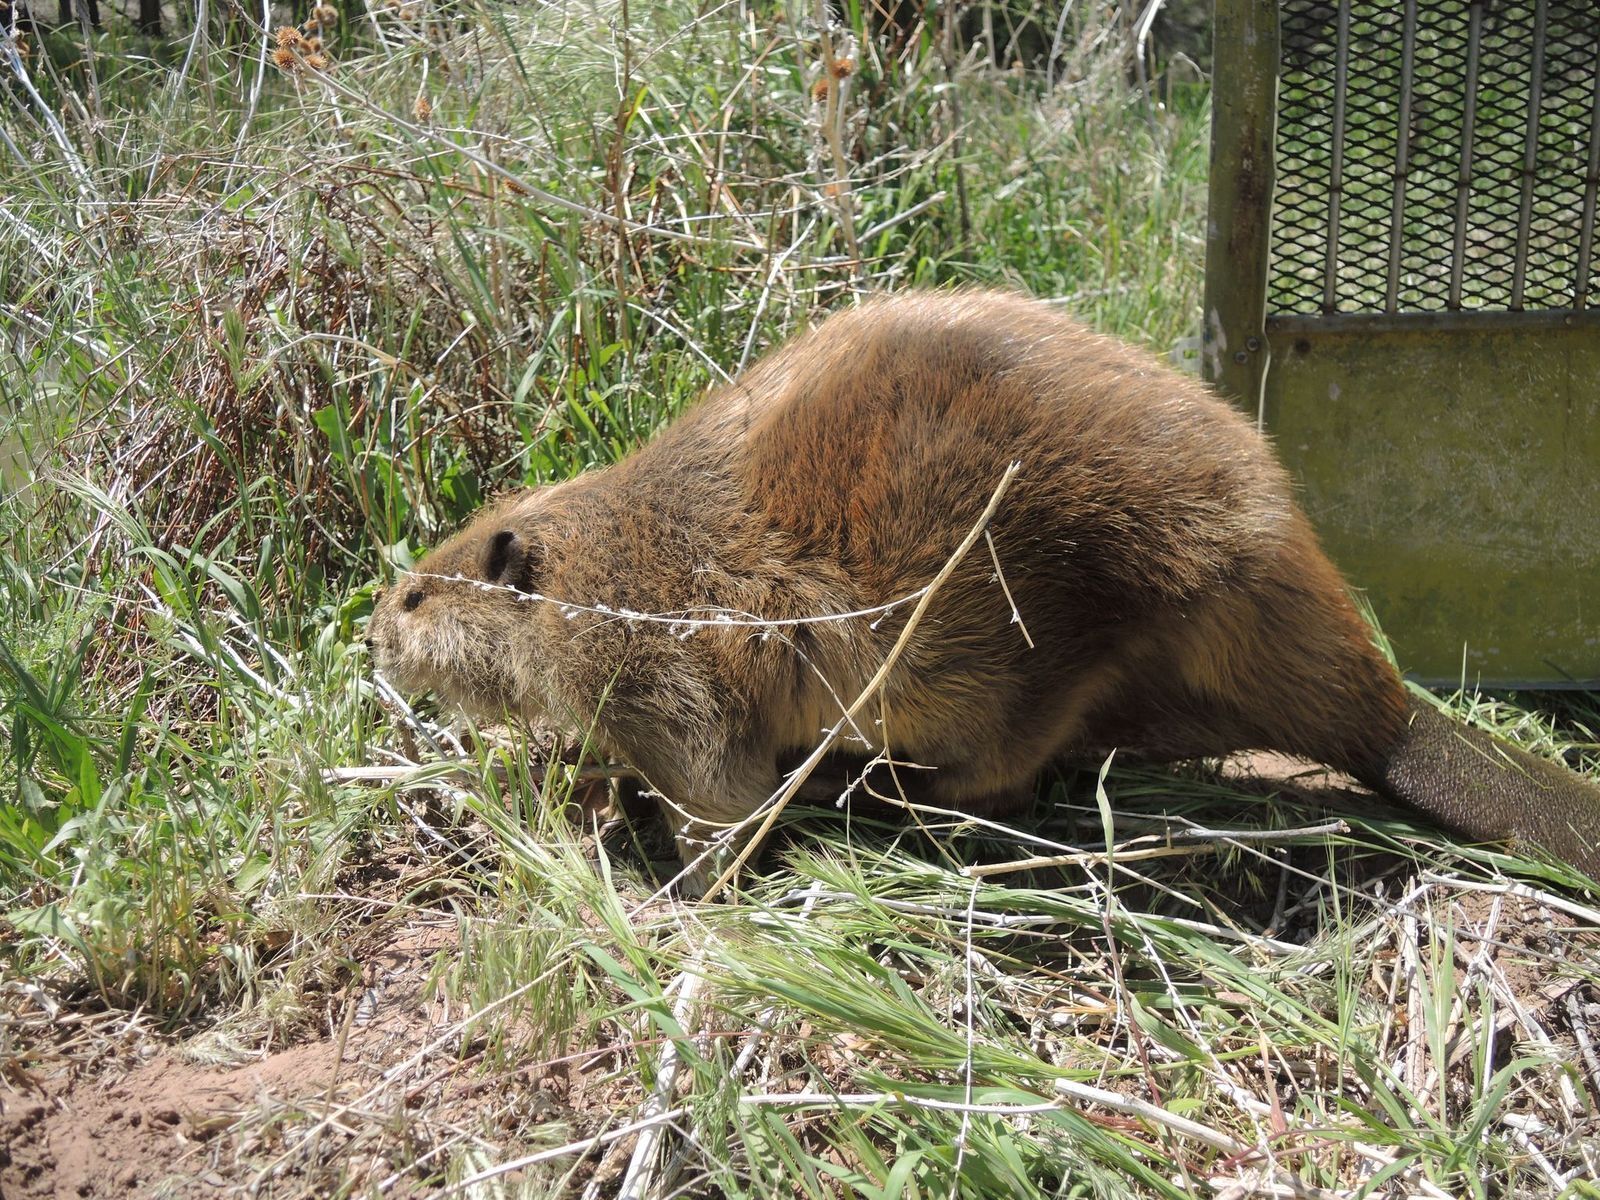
(101,1104)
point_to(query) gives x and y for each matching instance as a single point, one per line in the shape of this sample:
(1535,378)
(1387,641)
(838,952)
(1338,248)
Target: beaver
(1149,585)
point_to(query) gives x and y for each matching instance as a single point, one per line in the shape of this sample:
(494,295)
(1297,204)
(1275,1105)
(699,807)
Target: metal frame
(1450,459)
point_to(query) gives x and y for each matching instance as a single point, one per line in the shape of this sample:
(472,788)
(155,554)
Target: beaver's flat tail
(1488,789)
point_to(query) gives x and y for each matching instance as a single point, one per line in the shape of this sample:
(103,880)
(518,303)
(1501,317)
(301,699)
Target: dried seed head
(843,68)
(288,37)
(819,89)
(325,15)
(422,108)
(317,62)
(286,59)
(312,45)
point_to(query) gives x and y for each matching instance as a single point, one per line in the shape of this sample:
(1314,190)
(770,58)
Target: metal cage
(1403,281)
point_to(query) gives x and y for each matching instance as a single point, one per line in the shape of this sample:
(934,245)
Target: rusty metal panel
(1452,468)
(1429,359)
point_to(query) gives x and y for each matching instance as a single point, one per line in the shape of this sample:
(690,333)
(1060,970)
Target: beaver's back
(877,438)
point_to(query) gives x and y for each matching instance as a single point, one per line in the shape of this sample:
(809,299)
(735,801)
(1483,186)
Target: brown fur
(1178,601)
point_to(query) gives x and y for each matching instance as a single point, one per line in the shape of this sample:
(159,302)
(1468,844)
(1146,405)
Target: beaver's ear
(514,561)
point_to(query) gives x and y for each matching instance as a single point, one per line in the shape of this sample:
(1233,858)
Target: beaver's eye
(413,598)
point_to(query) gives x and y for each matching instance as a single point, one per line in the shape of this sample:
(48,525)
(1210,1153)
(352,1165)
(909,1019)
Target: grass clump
(275,325)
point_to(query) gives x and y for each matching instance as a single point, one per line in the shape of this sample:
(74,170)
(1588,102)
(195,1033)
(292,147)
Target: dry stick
(1571,907)
(832,122)
(1412,1063)
(616,170)
(890,1099)
(452,768)
(1016,616)
(971,1002)
(1085,1093)
(804,770)
(952,102)
(957,819)
(637,1182)
(1390,1009)
(579,1147)
(1558,1179)
(1580,1031)
(773,271)
(916,210)
(1201,842)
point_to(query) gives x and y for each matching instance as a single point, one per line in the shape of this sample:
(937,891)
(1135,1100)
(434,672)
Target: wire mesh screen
(1437,156)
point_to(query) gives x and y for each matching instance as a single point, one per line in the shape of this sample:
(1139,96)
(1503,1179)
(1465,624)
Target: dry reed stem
(1151,846)
(835,80)
(643,1178)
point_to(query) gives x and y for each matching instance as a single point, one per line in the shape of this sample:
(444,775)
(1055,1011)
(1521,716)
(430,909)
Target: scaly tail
(1474,782)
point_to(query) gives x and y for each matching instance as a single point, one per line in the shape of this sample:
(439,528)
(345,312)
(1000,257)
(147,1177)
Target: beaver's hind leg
(1280,660)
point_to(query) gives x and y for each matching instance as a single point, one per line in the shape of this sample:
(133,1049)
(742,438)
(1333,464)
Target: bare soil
(97,1105)
(127,1114)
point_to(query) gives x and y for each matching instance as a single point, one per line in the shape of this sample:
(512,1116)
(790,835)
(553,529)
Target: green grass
(270,335)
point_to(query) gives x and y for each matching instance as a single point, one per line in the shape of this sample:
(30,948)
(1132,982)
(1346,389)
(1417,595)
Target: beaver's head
(463,622)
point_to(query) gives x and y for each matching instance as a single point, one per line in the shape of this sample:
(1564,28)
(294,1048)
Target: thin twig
(1000,575)
(966,1067)
(582,1146)
(1578,1018)
(836,79)
(463,769)
(1203,841)
(1085,1093)
(1571,907)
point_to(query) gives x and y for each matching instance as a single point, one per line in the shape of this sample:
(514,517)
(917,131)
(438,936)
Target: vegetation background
(280,308)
